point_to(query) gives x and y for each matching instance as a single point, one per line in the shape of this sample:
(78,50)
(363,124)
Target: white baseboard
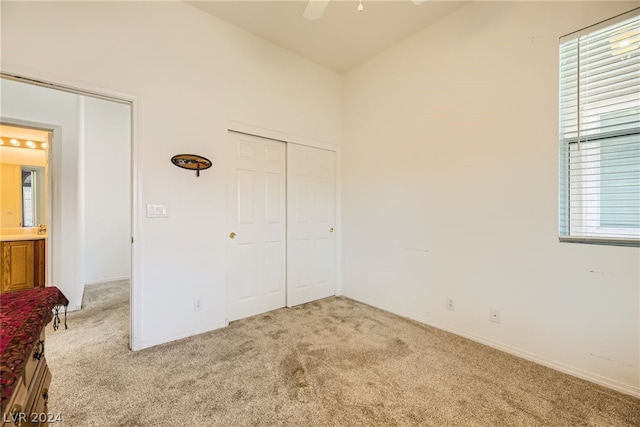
(153,343)
(107,280)
(72,308)
(553,364)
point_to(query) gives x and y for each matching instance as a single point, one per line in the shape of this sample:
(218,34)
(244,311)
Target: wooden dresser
(25,376)
(28,403)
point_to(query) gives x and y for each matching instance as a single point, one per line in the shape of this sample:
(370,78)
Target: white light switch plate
(157,211)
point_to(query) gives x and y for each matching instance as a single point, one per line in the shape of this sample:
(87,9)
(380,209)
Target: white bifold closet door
(310,224)
(256,248)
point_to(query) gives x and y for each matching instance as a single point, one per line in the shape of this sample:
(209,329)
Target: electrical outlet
(197,304)
(451,305)
(494,315)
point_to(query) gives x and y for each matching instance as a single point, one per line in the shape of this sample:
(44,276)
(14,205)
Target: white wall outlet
(494,315)
(197,304)
(451,305)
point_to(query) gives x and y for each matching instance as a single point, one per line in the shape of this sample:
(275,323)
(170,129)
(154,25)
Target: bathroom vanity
(23,263)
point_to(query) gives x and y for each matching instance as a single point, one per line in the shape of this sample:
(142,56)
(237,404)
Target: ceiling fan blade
(315,9)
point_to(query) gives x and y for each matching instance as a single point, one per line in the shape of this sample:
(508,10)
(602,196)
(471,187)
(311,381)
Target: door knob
(232,235)
(331,230)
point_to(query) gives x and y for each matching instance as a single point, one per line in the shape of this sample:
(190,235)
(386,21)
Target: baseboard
(153,343)
(549,363)
(72,308)
(107,280)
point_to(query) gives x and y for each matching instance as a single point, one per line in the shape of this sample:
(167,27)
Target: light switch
(157,211)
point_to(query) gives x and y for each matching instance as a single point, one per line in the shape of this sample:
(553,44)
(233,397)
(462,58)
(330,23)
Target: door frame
(135,302)
(54,166)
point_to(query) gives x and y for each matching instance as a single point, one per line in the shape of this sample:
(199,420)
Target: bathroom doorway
(90,219)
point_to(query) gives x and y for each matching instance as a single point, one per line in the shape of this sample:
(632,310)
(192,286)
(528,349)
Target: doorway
(281,246)
(84,140)
(24,199)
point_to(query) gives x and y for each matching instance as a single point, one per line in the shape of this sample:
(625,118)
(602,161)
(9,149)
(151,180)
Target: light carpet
(334,362)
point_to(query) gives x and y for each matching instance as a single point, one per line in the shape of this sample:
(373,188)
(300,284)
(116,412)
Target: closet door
(310,222)
(256,245)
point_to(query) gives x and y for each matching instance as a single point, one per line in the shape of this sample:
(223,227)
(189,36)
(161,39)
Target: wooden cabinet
(28,403)
(24,374)
(23,265)
(39,264)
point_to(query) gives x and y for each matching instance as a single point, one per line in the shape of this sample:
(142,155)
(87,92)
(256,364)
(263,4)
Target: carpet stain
(358,359)
(240,395)
(235,351)
(277,334)
(397,348)
(266,318)
(295,377)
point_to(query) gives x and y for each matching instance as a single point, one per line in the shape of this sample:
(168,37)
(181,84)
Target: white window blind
(600,133)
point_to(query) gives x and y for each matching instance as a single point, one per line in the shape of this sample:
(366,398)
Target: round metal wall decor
(191,161)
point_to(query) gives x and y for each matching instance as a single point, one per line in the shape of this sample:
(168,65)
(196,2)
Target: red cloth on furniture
(23,314)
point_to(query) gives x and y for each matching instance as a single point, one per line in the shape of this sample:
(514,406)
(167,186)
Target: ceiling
(343,37)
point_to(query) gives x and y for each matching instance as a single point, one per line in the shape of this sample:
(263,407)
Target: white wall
(189,74)
(107,190)
(450,190)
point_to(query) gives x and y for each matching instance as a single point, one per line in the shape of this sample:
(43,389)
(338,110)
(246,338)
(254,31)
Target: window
(600,133)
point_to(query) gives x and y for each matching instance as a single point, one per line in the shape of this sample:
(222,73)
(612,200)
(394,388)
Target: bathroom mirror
(23,177)
(33,196)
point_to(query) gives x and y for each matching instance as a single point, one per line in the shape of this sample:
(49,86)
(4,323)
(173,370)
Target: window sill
(609,241)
